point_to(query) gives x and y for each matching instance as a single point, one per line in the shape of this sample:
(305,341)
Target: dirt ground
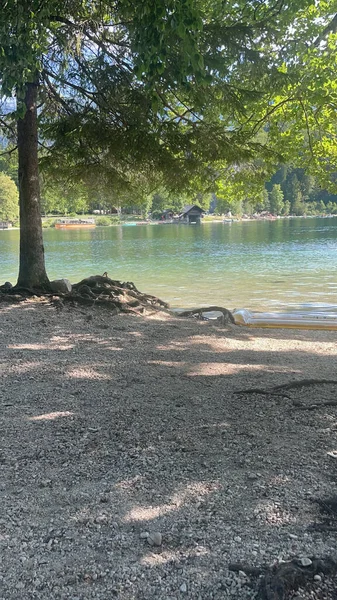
(115,428)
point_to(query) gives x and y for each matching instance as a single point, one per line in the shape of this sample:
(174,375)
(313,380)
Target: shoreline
(221,220)
(134,425)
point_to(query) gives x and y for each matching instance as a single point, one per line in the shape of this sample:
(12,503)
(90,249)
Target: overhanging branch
(8,152)
(330,28)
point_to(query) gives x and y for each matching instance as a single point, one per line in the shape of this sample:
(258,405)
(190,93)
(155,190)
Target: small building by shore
(6,225)
(191,213)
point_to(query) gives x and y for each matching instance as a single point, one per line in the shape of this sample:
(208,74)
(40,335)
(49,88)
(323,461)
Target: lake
(258,265)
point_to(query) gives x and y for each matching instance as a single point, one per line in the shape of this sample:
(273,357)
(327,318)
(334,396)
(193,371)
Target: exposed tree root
(248,569)
(100,290)
(12,298)
(304,383)
(279,581)
(262,392)
(97,290)
(227,315)
(328,510)
(276,390)
(301,406)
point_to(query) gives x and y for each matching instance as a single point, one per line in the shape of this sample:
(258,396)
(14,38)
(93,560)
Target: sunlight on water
(269,265)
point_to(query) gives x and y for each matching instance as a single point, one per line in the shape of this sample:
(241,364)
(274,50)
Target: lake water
(258,265)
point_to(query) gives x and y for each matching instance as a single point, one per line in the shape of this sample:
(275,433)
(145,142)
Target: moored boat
(75,223)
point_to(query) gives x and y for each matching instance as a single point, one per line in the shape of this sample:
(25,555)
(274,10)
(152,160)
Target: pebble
(317,578)
(305,561)
(237,538)
(293,536)
(183,588)
(101,519)
(144,535)
(155,538)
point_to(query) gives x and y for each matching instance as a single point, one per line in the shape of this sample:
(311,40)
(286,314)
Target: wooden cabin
(191,214)
(5,225)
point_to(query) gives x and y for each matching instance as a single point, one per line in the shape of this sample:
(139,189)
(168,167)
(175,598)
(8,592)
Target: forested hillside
(290,191)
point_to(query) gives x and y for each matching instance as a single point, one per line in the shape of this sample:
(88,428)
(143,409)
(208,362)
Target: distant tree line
(302,193)
(290,191)
(112,101)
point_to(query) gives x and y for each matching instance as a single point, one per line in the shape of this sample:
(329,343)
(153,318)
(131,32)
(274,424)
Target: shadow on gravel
(115,428)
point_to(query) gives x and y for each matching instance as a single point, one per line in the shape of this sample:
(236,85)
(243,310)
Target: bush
(103,221)
(46,223)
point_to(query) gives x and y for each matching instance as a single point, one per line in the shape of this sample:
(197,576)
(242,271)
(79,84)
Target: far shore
(49,222)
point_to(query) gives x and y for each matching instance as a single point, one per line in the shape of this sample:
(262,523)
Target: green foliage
(302,117)
(65,197)
(9,198)
(302,192)
(47,223)
(286,207)
(165,200)
(165,90)
(242,191)
(276,200)
(9,162)
(103,221)
(175,96)
(263,203)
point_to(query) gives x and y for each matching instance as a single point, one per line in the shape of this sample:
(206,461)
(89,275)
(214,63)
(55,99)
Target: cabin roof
(189,207)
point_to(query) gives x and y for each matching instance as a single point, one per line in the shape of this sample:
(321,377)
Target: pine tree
(276,200)
(162,91)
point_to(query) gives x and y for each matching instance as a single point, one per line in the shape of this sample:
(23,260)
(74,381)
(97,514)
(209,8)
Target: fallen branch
(279,581)
(228,317)
(276,390)
(263,392)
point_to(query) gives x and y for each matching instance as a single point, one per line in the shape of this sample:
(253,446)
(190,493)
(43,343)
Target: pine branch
(55,93)
(268,114)
(7,126)
(185,106)
(178,115)
(74,86)
(8,152)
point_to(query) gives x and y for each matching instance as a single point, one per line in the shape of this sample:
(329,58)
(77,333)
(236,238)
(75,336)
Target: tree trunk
(32,271)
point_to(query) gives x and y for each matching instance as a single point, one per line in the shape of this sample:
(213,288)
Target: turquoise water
(257,265)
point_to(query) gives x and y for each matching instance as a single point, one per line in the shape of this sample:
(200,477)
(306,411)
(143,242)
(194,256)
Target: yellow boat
(295,320)
(75,223)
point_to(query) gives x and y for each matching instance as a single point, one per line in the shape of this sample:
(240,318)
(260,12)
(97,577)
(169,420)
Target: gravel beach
(141,456)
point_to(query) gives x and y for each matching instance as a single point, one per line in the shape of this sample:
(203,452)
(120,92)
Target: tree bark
(32,271)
